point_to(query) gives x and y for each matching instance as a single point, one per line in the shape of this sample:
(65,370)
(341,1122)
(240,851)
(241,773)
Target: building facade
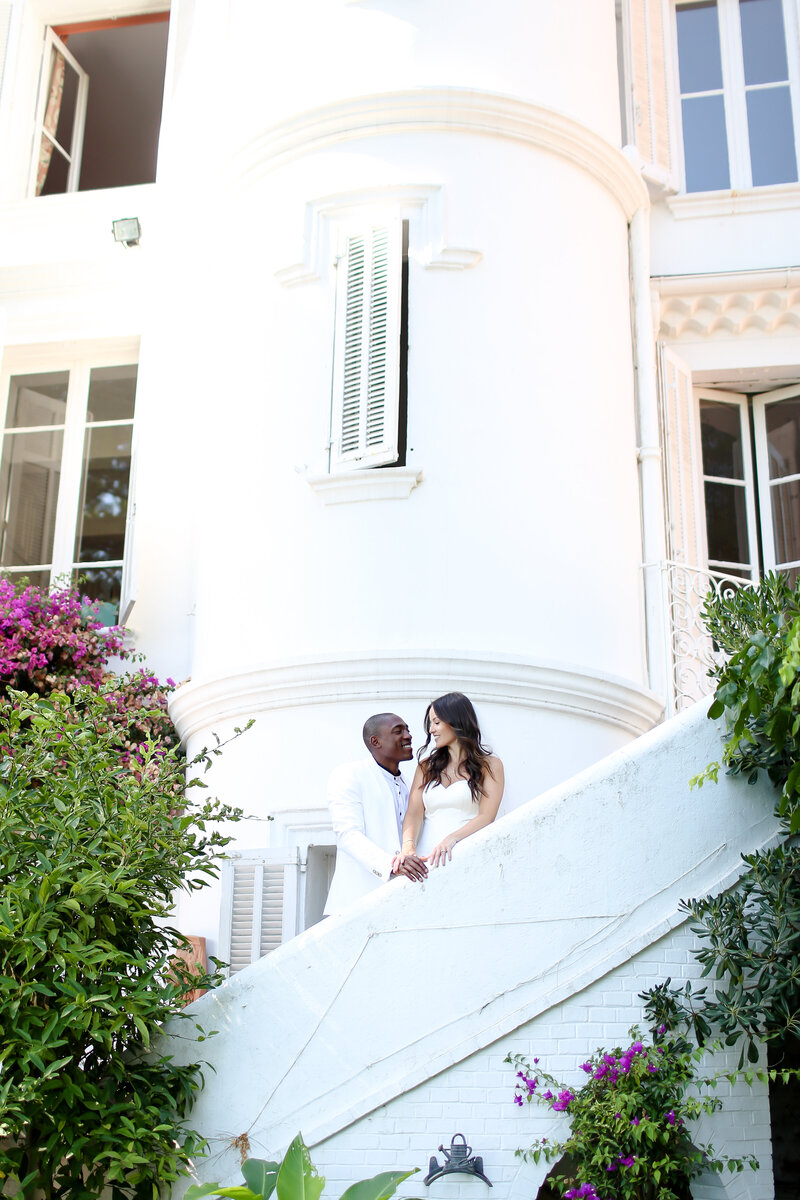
(290,301)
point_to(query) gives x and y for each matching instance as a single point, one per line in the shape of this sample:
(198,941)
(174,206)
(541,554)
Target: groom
(368,800)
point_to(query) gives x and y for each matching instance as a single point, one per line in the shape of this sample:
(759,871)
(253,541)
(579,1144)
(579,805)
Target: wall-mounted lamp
(127,230)
(458,1158)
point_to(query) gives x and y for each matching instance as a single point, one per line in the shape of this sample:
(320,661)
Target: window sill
(731,202)
(376,483)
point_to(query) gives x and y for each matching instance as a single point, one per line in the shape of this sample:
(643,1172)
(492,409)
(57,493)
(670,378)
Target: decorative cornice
(709,305)
(347,487)
(444,110)
(732,203)
(196,707)
(431,248)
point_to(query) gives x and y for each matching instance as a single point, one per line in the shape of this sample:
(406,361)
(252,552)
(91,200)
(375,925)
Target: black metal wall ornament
(459,1158)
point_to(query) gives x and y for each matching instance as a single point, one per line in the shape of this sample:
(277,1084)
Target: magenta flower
(671,1117)
(563,1102)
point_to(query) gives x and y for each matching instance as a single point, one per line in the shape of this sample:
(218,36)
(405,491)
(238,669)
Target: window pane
(62,100)
(29,477)
(705,144)
(107,468)
(726,523)
(112,392)
(769,121)
(101,583)
(39,579)
(699,62)
(722,439)
(57,175)
(783,437)
(786,520)
(37,400)
(763,41)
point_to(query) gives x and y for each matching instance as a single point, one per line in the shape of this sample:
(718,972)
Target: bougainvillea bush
(97,834)
(51,641)
(630,1121)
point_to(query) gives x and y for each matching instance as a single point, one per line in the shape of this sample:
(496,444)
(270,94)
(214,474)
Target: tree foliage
(94,847)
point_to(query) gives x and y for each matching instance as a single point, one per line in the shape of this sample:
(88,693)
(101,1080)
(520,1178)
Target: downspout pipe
(649,455)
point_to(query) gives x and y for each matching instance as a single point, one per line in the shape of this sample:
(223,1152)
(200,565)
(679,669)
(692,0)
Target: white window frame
(765,484)
(356,349)
(73,154)
(738,401)
(734,91)
(79,362)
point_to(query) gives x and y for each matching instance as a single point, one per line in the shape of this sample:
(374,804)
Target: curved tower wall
(511,569)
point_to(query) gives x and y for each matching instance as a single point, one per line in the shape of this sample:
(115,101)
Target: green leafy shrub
(92,855)
(758,686)
(296,1178)
(750,935)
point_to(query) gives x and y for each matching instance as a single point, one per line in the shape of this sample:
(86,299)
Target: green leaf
(213,1189)
(260,1175)
(298,1178)
(380,1187)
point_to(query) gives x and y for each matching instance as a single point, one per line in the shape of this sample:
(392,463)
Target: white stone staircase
(534,910)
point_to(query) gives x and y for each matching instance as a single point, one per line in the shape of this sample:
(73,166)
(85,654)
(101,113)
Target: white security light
(127,230)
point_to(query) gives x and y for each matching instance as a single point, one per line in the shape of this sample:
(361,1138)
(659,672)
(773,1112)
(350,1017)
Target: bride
(457,789)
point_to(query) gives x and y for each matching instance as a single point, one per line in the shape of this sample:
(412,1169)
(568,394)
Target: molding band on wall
(199,705)
(445,110)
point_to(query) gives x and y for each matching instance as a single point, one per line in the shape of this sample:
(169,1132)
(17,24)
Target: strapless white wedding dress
(446,810)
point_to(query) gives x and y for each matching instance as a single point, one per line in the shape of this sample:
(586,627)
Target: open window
(99,108)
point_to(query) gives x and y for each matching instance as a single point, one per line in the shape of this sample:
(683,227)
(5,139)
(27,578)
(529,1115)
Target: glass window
(738,112)
(65,511)
(724,482)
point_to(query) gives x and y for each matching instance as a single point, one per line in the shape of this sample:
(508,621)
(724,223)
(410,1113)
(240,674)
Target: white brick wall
(475,1097)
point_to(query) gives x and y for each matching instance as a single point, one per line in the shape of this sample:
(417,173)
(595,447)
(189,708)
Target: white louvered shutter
(259,905)
(367,353)
(683,467)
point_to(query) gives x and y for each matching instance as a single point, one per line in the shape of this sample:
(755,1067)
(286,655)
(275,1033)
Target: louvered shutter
(683,469)
(259,905)
(649,83)
(367,351)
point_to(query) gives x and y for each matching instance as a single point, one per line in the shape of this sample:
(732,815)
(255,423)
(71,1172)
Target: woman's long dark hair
(456,710)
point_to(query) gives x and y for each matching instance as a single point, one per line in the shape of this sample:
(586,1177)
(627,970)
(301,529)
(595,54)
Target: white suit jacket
(365,823)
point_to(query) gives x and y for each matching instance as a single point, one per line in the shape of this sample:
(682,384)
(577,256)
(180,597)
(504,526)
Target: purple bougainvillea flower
(587,1067)
(634,1120)
(518,1100)
(563,1102)
(548,1095)
(671,1117)
(652,1069)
